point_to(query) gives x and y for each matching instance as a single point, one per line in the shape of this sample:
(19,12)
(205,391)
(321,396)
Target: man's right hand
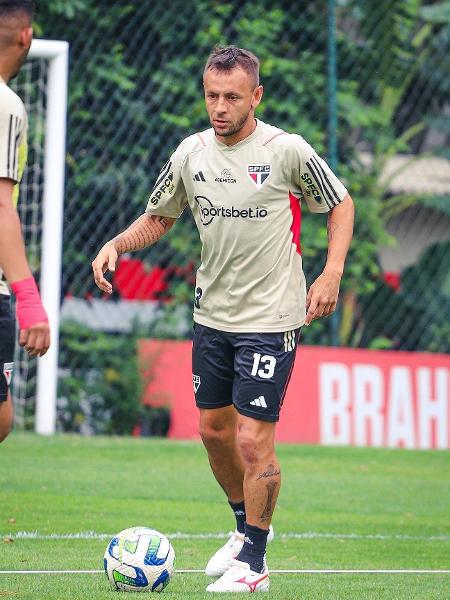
(105,260)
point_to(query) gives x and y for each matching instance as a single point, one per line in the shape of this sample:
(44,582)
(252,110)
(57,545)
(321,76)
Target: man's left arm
(323,294)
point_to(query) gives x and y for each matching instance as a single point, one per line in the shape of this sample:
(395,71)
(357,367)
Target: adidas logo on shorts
(260,402)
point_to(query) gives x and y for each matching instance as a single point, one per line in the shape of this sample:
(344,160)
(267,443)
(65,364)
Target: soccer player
(15,40)
(244,181)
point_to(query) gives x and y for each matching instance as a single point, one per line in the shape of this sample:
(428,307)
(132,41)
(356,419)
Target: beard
(233,128)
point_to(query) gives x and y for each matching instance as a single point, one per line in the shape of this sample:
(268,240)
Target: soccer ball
(139,560)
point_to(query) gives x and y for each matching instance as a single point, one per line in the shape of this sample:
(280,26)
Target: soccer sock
(254,547)
(239,512)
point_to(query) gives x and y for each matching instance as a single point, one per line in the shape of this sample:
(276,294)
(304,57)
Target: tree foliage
(136,91)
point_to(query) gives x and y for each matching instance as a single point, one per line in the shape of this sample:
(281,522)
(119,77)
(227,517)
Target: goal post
(57,55)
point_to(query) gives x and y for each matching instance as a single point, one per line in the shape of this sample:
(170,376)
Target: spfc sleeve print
(168,198)
(319,186)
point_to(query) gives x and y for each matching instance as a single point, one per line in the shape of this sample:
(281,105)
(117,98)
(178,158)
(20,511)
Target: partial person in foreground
(244,181)
(15,40)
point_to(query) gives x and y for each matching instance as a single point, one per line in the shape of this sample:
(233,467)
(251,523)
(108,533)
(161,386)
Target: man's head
(16,33)
(232,90)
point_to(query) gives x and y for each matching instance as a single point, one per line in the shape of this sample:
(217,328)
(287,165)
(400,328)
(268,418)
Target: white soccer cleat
(221,561)
(240,578)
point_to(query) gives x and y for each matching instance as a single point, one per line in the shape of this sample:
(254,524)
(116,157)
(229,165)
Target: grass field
(61,498)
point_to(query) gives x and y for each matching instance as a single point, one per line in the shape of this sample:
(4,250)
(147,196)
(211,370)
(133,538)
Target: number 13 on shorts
(263,366)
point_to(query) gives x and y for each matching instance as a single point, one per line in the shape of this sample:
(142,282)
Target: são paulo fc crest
(258,174)
(7,372)
(196,381)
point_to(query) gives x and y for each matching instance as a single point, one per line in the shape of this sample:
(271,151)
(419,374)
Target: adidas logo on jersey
(259,402)
(199,176)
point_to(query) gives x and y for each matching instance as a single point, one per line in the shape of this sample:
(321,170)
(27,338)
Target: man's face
(230,98)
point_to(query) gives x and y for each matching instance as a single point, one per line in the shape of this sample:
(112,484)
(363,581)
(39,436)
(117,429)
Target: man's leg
(262,476)
(218,429)
(213,377)
(262,481)
(219,432)
(6,417)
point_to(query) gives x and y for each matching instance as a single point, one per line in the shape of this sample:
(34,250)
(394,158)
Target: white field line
(295,571)
(93,535)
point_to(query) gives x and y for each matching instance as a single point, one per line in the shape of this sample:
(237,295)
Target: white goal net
(42,85)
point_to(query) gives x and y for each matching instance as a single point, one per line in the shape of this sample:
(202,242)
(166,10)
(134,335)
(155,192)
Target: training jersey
(246,202)
(13,145)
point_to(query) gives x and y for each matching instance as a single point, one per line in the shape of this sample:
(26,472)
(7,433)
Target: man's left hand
(322,296)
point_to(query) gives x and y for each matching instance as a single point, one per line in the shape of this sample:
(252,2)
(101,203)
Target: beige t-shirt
(246,202)
(13,145)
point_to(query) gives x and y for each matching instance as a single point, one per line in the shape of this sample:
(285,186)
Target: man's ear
(26,37)
(257,96)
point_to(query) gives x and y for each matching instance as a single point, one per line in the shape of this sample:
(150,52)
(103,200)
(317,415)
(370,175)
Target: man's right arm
(33,321)
(143,232)
(13,260)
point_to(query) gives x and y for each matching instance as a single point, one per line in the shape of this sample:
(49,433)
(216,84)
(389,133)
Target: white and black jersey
(246,201)
(13,145)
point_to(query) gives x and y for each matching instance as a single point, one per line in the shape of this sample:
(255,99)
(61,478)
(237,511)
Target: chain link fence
(136,92)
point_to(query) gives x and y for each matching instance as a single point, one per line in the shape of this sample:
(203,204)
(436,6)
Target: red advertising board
(337,396)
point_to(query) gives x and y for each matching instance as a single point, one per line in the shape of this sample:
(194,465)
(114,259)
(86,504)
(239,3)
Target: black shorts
(249,370)
(7,342)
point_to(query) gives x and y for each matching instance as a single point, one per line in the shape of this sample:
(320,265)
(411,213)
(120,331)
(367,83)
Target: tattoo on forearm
(270,472)
(266,514)
(145,231)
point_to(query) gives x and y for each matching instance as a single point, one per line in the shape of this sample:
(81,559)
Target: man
(15,40)
(243,181)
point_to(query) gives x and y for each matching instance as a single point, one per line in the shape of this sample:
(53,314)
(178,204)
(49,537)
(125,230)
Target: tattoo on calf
(268,509)
(270,472)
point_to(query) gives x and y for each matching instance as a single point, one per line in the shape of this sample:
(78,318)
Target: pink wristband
(28,303)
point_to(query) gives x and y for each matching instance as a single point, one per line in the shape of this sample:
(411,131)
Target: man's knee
(255,441)
(215,435)
(216,428)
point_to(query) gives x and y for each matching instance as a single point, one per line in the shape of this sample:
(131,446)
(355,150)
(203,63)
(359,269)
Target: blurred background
(366,83)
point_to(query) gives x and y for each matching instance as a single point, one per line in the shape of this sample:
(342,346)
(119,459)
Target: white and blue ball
(139,559)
